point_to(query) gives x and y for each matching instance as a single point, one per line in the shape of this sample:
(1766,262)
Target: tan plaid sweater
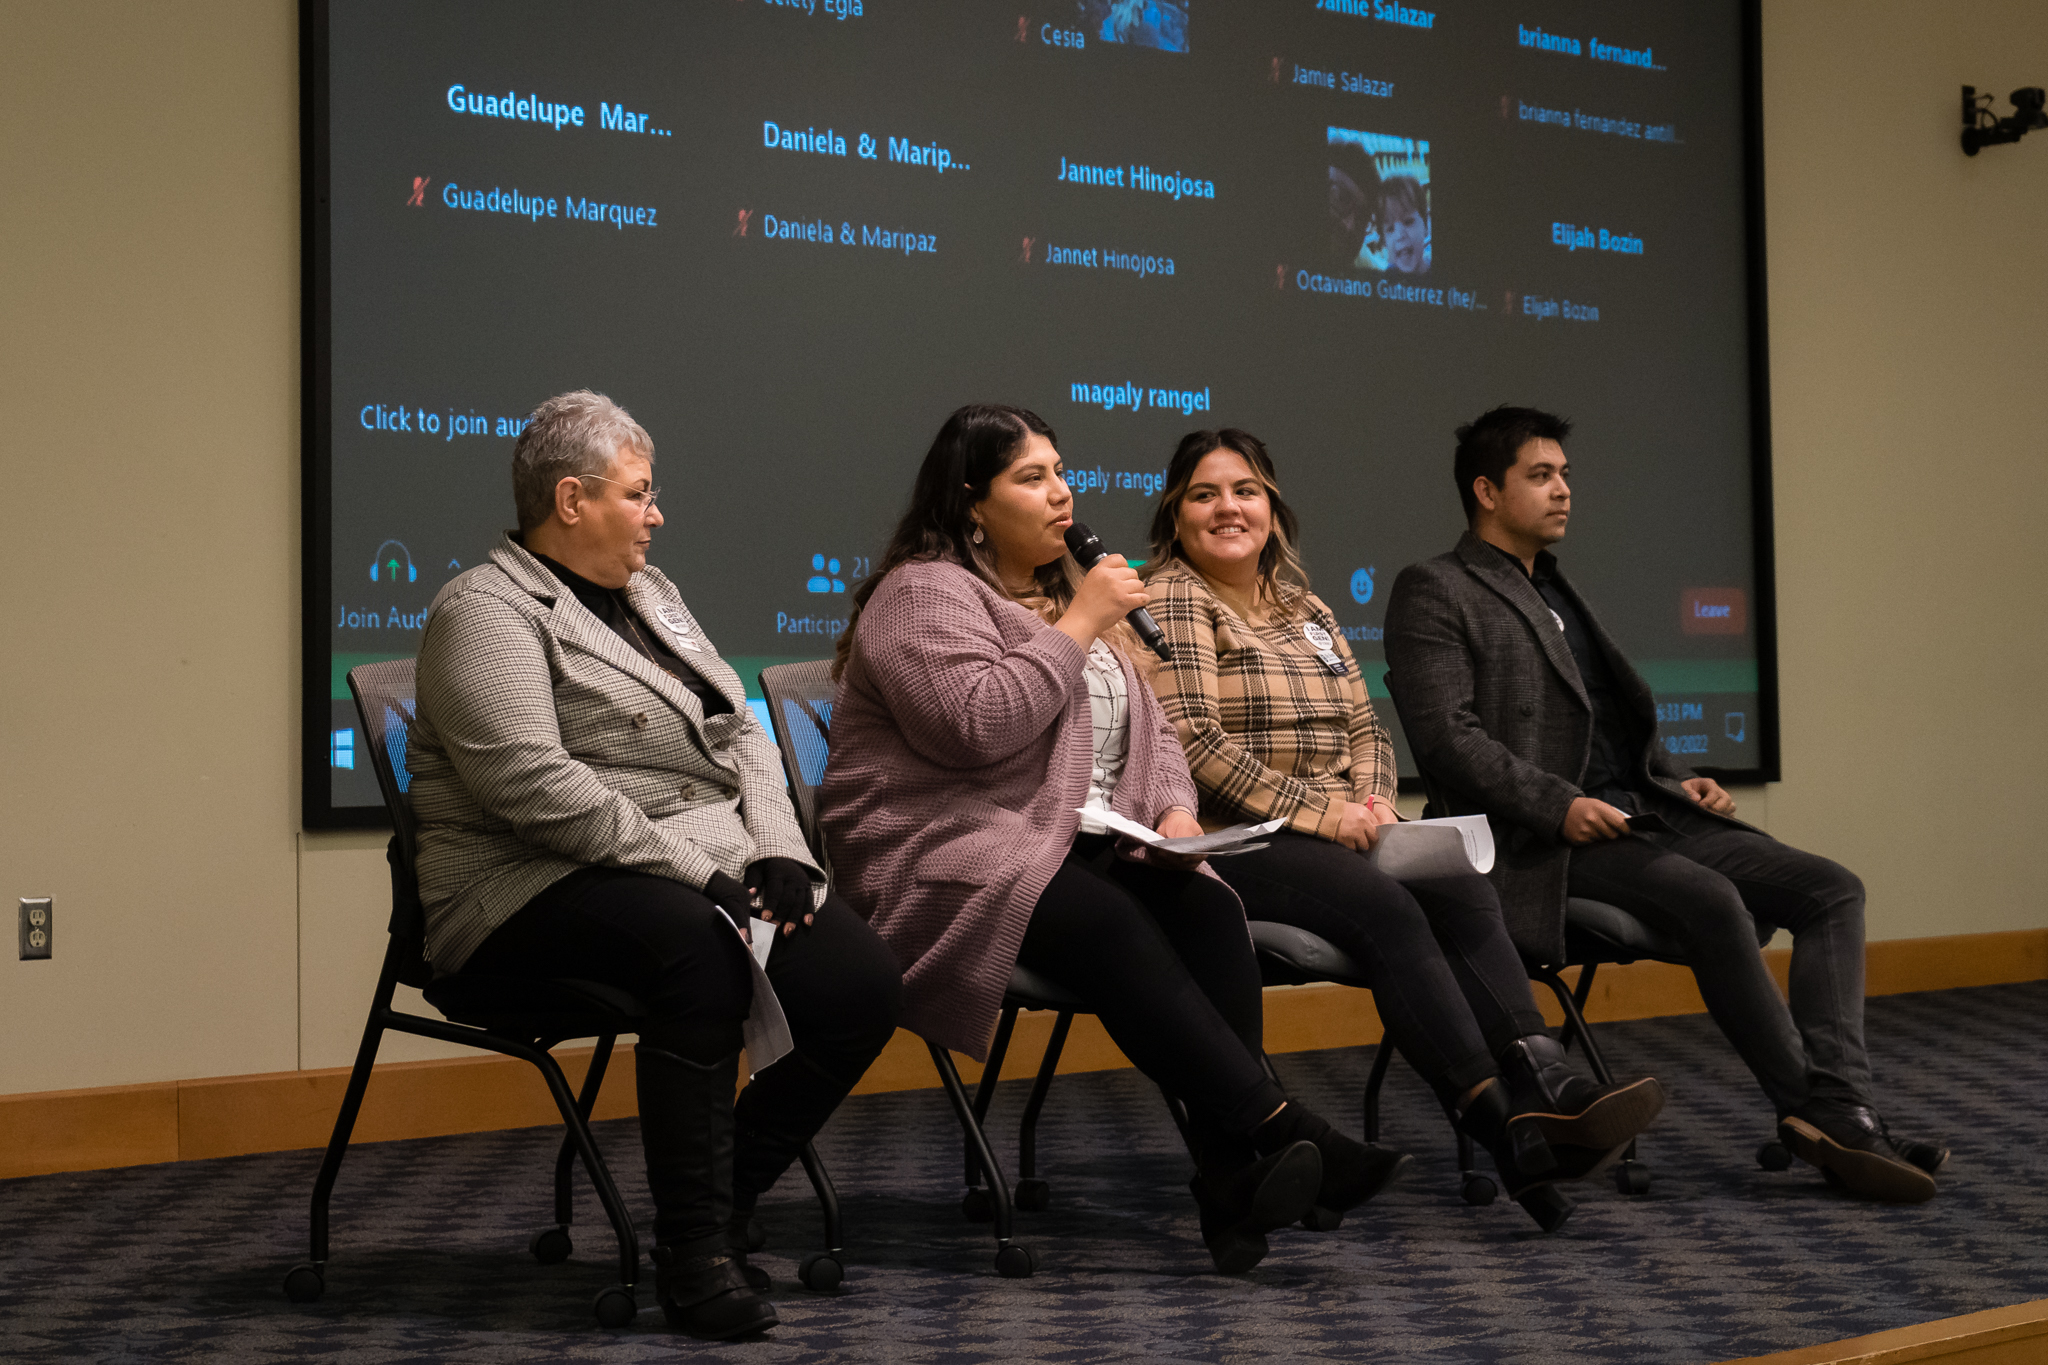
(1270,733)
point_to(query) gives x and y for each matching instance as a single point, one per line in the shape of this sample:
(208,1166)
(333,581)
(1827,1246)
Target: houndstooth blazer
(545,743)
(1494,709)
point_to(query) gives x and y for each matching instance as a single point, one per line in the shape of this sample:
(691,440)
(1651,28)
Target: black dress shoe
(1353,1172)
(1567,1108)
(708,1297)
(1239,1207)
(1848,1142)
(1925,1155)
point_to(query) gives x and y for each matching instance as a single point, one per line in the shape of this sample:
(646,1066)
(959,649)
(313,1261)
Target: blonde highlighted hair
(1281,574)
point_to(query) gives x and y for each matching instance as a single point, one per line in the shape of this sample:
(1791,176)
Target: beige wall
(1909,286)
(148,381)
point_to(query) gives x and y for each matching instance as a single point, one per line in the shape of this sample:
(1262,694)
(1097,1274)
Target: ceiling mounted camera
(1982,128)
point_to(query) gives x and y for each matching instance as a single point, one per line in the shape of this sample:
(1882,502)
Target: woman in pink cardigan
(979,710)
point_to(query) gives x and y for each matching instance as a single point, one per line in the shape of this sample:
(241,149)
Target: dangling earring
(977,535)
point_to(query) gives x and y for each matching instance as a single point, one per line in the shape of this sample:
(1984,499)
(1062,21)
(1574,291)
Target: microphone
(1087,551)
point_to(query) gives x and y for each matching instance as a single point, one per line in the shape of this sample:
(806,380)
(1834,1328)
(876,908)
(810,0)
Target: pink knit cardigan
(960,750)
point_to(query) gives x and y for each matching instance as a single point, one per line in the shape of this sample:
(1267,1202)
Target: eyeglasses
(641,498)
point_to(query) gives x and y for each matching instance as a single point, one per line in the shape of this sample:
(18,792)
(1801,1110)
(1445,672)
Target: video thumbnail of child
(1379,202)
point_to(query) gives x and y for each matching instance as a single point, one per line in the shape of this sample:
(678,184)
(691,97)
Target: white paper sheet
(1458,845)
(1236,839)
(766,1032)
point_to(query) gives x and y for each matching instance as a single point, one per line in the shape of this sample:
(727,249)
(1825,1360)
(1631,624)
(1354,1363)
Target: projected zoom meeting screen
(790,236)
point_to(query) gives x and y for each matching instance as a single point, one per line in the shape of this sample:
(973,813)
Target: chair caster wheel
(753,1237)
(304,1283)
(1479,1190)
(1632,1177)
(820,1272)
(1320,1219)
(976,1206)
(1016,1262)
(1774,1156)
(615,1307)
(551,1246)
(1033,1194)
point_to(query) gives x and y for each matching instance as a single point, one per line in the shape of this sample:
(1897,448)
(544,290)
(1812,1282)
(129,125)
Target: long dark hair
(1280,567)
(977,443)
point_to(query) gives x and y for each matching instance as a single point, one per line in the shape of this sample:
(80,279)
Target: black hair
(1488,447)
(978,442)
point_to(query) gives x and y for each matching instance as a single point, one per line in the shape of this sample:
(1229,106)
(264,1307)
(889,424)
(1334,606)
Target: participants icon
(1161,24)
(1379,209)
(824,576)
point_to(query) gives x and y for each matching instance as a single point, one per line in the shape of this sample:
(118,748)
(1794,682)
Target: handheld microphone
(1088,552)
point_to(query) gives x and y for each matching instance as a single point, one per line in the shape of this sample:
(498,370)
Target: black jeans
(1710,887)
(1163,958)
(669,945)
(1447,981)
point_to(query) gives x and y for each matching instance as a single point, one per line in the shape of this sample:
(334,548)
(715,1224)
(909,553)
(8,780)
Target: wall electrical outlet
(35,927)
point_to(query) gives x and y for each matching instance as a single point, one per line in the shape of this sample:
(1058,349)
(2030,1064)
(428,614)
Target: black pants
(1448,983)
(1714,888)
(1164,959)
(838,983)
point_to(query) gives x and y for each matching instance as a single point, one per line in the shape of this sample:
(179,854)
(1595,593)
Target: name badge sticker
(678,625)
(1320,640)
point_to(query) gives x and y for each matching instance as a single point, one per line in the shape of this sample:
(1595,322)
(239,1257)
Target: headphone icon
(386,567)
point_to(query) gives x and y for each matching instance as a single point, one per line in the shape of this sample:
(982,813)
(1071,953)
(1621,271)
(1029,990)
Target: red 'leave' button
(1713,611)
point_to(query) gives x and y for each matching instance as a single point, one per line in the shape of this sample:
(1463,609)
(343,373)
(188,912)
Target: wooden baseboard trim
(2000,1336)
(131,1125)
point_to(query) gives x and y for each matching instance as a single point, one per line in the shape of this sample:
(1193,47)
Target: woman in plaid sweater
(1274,717)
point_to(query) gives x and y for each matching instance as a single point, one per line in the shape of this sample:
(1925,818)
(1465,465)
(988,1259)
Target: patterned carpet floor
(1719,1260)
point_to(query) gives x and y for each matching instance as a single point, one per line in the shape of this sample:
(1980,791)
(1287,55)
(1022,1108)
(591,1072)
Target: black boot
(1242,1195)
(774,1117)
(743,1236)
(1485,1119)
(707,1296)
(1567,1109)
(1353,1172)
(686,1127)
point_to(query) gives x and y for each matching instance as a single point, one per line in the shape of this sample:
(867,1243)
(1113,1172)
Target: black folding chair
(799,700)
(513,1017)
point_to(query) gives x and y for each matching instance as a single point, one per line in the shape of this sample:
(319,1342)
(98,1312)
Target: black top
(609,605)
(1610,767)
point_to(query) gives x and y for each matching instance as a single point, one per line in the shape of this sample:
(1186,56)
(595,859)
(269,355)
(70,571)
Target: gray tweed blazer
(1499,721)
(545,743)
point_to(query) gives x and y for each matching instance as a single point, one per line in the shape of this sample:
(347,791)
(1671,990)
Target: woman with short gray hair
(597,802)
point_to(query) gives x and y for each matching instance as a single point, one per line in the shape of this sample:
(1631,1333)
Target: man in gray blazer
(597,802)
(1518,705)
